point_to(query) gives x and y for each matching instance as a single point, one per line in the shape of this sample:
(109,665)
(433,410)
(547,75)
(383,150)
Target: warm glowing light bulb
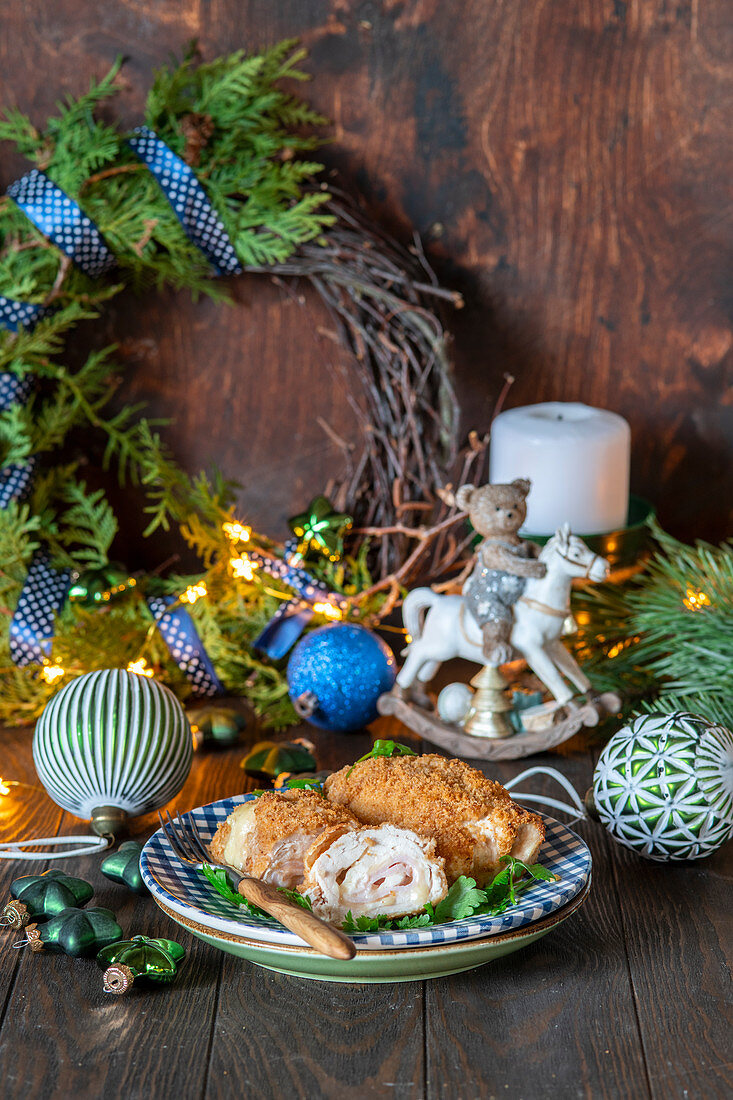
(242,567)
(193,592)
(237,532)
(6,784)
(327,609)
(140,666)
(51,673)
(695,600)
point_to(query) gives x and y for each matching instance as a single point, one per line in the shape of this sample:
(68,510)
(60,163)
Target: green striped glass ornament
(112,744)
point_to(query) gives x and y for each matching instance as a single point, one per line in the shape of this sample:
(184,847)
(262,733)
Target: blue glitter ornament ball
(340,670)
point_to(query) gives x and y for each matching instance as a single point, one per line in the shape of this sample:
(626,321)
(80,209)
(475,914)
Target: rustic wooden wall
(568,165)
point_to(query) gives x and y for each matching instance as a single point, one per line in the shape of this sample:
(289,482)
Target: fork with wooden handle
(188,845)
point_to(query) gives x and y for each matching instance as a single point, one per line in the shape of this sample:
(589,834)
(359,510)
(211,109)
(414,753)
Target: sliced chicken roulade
(269,836)
(382,872)
(472,819)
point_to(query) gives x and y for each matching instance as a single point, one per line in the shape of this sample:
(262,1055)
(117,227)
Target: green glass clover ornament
(663,786)
(214,727)
(155,960)
(321,527)
(123,866)
(99,585)
(268,759)
(42,896)
(75,932)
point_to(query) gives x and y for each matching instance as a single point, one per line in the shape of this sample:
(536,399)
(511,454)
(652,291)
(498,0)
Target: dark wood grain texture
(568,166)
(558,1019)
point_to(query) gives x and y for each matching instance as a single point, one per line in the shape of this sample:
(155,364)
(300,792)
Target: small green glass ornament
(321,528)
(123,866)
(42,896)
(75,932)
(100,584)
(663,786)
(268,759)
(155,960)
(221,727)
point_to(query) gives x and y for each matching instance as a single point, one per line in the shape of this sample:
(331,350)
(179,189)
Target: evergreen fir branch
(20,531)
(89,525)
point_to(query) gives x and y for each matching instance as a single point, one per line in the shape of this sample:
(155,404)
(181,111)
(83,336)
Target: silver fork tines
(186,845)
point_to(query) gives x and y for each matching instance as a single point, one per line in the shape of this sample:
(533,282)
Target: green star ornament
(42,896)
(123,866)
(75,932)
(155,960)
(322,528)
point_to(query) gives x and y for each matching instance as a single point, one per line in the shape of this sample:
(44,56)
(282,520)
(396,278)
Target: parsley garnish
(383,748)
(464,899)
(217,876)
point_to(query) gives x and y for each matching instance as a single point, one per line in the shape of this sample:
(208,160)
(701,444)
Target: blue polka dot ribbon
(308,587)
(63,221)
(17,478)
(292,617)
(16,481)
(32,625)
(15,389)
(190,202)
(15,315)
(186,648)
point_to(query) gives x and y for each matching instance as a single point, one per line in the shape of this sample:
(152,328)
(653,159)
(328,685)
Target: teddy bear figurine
(503,562)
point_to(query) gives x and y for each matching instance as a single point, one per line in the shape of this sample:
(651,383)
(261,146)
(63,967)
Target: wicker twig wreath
(216,182)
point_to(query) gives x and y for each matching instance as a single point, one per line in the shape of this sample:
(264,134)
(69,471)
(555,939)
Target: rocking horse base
(427,724)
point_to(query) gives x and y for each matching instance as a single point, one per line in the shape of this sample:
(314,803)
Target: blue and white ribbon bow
(15,389)
(63,221)
(14,315)
(43,594)
(292,617)
(189,201)
(186,648)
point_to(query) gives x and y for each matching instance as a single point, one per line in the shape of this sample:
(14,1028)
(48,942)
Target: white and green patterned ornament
(112,744)
(663,786)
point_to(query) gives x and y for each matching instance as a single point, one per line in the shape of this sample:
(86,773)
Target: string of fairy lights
(242,567)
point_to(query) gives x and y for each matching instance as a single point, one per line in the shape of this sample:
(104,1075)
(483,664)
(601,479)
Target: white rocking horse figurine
(448,630)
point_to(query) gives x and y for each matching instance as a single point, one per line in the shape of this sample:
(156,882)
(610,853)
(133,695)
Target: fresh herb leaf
(297,899)
(383,748)
(384,924)
(217,876)
(463,899)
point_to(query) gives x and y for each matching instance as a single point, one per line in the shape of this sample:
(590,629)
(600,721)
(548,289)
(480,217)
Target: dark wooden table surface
(629,998)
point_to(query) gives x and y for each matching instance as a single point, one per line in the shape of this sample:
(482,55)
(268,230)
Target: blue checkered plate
(189,894)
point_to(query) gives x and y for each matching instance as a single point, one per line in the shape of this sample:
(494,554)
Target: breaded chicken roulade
(269,836)
(382,872)
(472,819)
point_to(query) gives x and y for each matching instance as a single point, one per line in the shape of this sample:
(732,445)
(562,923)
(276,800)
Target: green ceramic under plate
(409,964)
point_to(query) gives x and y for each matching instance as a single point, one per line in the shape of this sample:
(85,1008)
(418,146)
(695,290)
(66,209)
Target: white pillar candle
(577,459)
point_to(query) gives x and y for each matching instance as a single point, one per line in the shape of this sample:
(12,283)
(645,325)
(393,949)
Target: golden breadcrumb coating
(268,837)
(472,819)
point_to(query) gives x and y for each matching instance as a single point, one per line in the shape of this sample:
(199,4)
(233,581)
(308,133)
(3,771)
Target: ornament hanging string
(84,846)
(577,810)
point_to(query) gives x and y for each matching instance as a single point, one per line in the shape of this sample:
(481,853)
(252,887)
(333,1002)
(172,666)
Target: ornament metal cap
(34,940)
(590,805)
(118,979)
(15,915)
(108,820)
